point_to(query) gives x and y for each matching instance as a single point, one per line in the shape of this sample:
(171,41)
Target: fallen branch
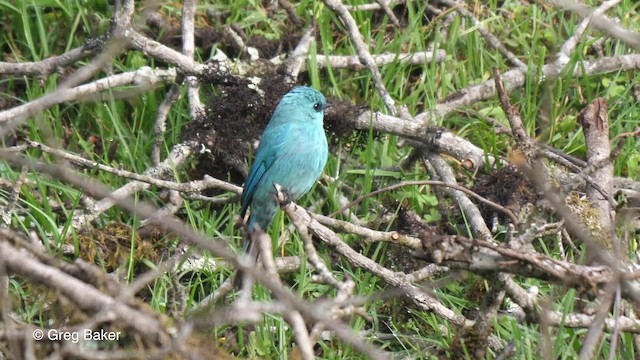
(457,252)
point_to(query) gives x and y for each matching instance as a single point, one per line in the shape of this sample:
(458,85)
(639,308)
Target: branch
(371,7)
(601,22)
(594,120)
(363,53)
(514,79)
(354,62)
(144,77)
(195,186)
(399,280)
(86,297)
(491,39)
(461,253)
(488,202)
(52,64)
(179,154)
(188,49)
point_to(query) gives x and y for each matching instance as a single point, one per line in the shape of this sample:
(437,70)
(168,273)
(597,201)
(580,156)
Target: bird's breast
(309,138)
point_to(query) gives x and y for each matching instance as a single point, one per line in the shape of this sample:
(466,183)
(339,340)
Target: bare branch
(354,62)
(601,22)
(352,29)
(491,39)
(51,64)
(401,281)
(595,124)
(86,297)
(188,49)
(144,77)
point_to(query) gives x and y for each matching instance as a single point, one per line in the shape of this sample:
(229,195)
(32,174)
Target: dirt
(505,186)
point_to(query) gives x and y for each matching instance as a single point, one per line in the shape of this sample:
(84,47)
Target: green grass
(534,32)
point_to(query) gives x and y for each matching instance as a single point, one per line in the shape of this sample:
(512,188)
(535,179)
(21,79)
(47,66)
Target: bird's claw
(282,196)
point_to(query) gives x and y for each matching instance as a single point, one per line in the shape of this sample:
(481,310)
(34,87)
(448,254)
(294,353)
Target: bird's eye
(317,107)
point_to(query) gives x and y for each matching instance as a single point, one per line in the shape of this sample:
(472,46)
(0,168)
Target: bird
(292,153)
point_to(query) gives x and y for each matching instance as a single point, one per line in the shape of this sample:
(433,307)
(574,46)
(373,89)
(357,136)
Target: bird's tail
(250,249)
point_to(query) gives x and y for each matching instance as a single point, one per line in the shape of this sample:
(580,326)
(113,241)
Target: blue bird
(292,153)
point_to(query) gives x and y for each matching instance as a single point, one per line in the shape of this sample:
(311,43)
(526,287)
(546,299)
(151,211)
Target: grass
(534,32)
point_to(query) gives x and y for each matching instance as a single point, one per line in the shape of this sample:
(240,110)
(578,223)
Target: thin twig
(491,39)
(51,64)
(352,29)
(393,187)
(188,49)
(160,126)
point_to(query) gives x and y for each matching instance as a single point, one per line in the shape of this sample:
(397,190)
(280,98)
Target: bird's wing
(271,145)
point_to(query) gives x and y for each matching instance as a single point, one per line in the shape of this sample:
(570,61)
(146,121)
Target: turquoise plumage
(292,152)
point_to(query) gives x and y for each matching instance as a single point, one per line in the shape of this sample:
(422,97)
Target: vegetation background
(116,125)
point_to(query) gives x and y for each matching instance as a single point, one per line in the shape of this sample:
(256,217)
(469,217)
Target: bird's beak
(327,106)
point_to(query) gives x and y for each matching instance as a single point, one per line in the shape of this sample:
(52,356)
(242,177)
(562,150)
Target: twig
(283,265)
(178,155)
(83,295)
(161,52)
(295,319)
(634,133)
(372,6)
(573,225)
(236,39)
(297,57)
(616,315)
(401,281)
(368,234)
(250,311)
(188,48)
(571,43)
(160,126)
(525,299)
(514,79)
(595,333)
(291,12)
(472,214)
(325,275)
(51,64)
(491,39)
(387,10)
(143,77)
(475,255)
(476,338)
(344,288)
(393,187)
(189,187)
(435,139)
(352,29)
(355,62)
(513,115)
(601,22)
(7,211)
(584,321)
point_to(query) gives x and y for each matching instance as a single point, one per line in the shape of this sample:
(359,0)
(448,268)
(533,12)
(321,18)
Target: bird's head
(302,103)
